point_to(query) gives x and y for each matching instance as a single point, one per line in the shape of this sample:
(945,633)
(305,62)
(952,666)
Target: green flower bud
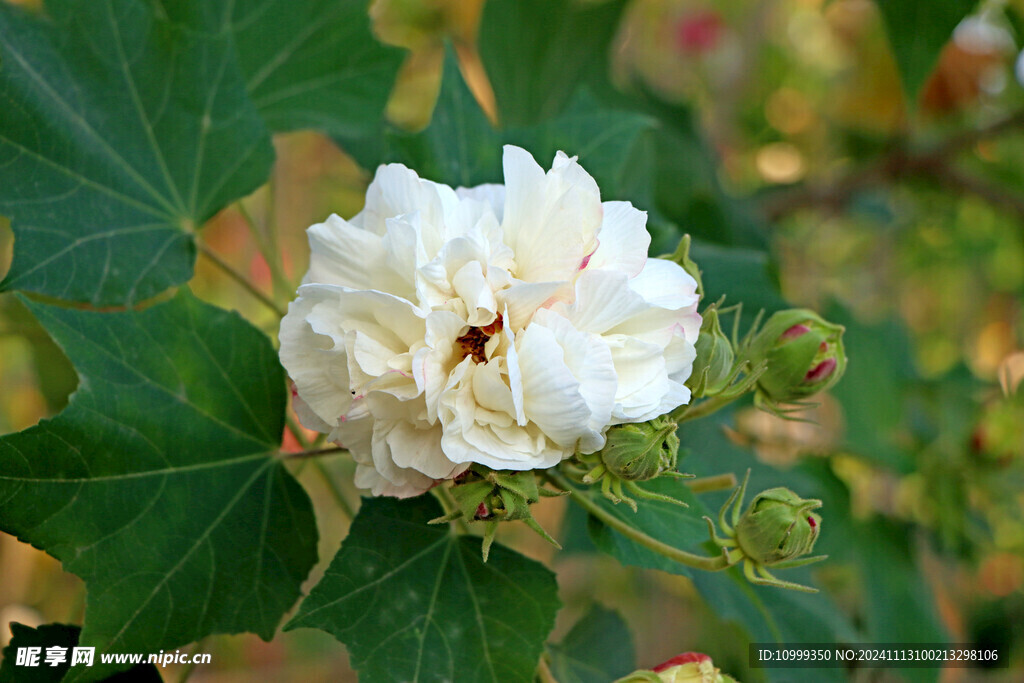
(804,354)
(641,451)
(778,526)
(490,496)
(713,367)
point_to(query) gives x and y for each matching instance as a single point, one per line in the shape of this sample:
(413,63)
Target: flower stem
(231,272)
(313,453)
(449,506)
(710,564)
(717,482)
(267,251)
(336,493)
(544,674)
(694,411)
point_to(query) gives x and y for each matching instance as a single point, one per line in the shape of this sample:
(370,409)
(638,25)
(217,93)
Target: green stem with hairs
(710,564)
(717,482)
(694,411)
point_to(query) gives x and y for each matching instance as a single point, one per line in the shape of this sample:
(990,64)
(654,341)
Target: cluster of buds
(778,530)
(632,453)
(802,353)
(689,667)
(490,496)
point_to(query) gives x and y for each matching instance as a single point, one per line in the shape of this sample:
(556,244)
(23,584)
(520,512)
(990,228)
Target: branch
(898,163)
(710,564)
(312,453)
(230,271)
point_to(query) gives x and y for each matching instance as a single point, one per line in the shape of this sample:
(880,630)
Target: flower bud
(490,496)
(804,354)
(712,369)
(689,667)
(641,451)
(778,526)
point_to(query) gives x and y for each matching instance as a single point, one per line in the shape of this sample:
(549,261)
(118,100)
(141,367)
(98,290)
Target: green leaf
(769,614)
(917,31)
(415,603)
(675,525)
(307,63)
(743,276)
(598,649)
(119,134)
(64,636)
(158,484)
(777,615)
(461,148)
(536,52)
(874,389)
(892,575)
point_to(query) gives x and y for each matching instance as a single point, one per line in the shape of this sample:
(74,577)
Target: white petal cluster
(508,325)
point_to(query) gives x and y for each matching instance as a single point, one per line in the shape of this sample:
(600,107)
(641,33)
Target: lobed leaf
(306,63)
(158,484)
(119,133)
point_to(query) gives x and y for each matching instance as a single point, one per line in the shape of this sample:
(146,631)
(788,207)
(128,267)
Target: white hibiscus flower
(507,325)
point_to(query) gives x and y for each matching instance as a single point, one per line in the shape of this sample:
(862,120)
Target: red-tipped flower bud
(689,667)
(804,354)
(778,526)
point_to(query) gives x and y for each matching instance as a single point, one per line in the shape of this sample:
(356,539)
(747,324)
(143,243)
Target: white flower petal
(491,194)
(522,300)
(551,394)
(318,369)
(396,348)
(623,239)
(551,221)
(665,284)
(603,300)
(590,361)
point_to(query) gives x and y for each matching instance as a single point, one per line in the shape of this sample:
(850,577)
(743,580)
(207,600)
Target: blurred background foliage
(859,158)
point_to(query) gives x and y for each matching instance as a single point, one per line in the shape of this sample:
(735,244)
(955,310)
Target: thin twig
(230,271)
(313,453)
(900,162)
(272,258)
(336,493)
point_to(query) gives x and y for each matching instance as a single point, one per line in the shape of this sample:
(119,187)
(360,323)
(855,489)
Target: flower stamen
(473,342)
